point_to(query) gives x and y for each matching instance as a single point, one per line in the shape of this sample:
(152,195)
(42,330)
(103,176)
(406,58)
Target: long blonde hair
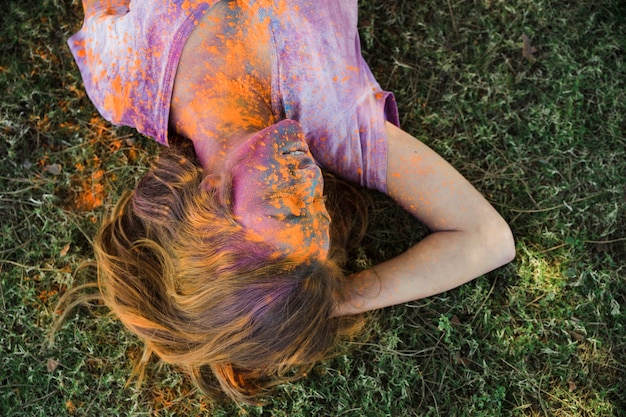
(177,270)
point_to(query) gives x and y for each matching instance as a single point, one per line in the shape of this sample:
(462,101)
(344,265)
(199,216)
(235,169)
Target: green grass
(542,136)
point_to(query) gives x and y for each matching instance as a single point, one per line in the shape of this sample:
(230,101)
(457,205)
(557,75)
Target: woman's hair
(178,271)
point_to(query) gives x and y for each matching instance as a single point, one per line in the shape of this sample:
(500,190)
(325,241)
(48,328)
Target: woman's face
(277,192)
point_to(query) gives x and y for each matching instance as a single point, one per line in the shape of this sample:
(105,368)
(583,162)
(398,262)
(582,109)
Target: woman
(224,259)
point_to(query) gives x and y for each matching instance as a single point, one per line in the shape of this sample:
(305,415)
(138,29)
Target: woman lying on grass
(224,259)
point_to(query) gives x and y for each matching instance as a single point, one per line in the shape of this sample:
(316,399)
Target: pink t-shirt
(128,53)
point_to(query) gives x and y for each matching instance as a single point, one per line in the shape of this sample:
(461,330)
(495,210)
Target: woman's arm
(468,239)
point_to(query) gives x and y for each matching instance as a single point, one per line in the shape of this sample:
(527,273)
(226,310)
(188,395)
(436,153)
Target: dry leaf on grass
(64,251)
(52,365)
(54,169)
(571,385)
(527,49)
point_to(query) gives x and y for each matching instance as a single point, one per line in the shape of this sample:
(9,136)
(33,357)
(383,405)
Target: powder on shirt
(128,53)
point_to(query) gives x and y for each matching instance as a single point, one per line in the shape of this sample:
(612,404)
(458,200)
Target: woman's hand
(468,239)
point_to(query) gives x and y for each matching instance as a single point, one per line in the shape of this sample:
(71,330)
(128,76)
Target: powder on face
(278,192)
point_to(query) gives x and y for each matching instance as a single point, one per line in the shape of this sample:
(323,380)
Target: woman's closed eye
(294,199)
(277,196)
(292,207)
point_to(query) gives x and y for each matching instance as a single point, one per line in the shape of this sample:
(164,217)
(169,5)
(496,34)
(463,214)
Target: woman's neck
(222,90)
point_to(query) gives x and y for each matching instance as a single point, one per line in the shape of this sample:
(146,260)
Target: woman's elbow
(501,242)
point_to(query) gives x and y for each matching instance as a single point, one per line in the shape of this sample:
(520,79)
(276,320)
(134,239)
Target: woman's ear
(211,182)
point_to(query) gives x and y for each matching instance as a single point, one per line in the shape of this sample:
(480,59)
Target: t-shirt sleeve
(127,54)
(354,146)
(321,80)
(105,7)
(372,141)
